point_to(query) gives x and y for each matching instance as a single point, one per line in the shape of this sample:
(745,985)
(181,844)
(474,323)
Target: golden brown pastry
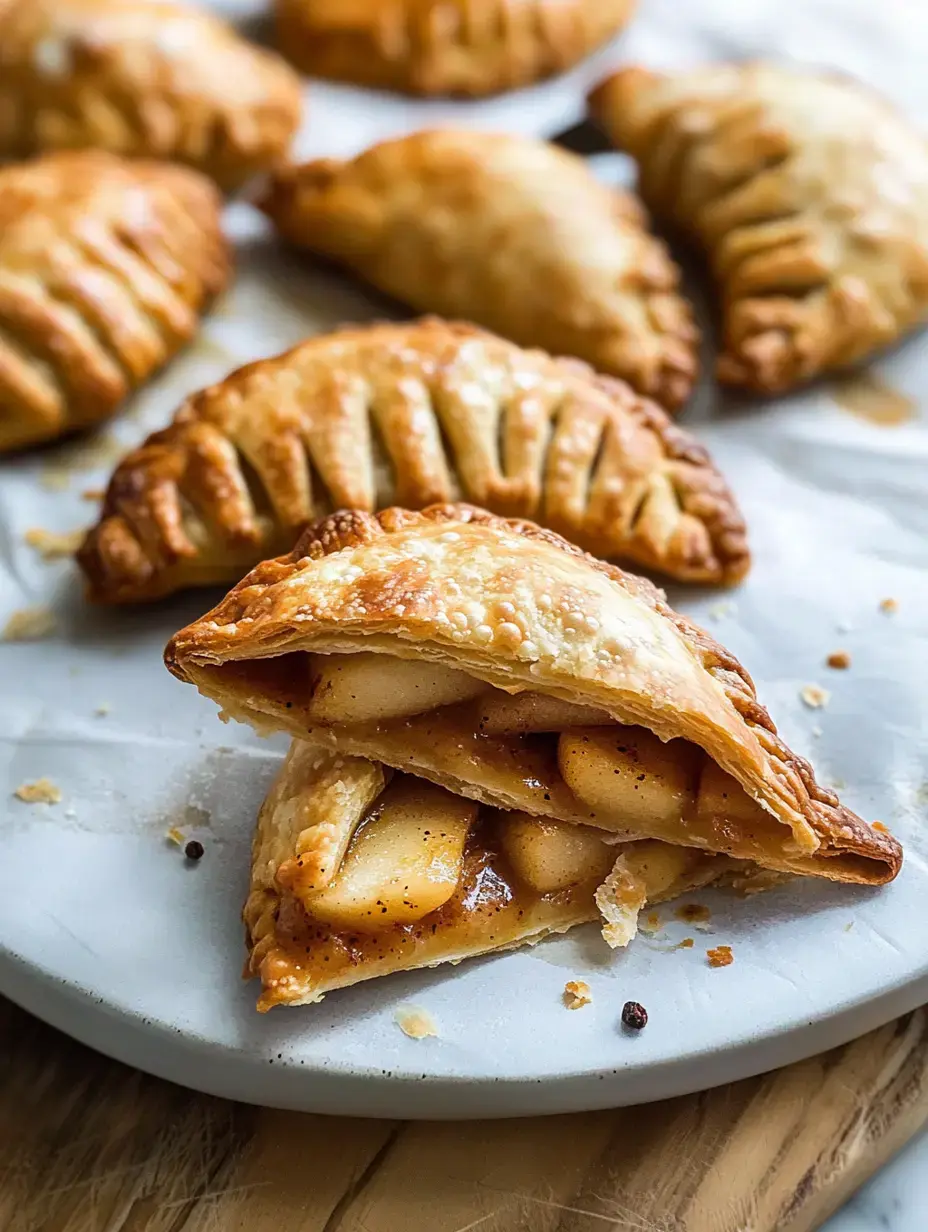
(512,233)
(359,872)
(495,660)
(105,267)
(413,413)
(144,80)
(809,194)
(469,47)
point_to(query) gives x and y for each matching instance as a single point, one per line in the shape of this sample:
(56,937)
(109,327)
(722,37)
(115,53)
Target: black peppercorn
(194,849)
(634,1016)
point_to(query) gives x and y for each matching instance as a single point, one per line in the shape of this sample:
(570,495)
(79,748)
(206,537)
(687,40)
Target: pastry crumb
(53,545)
(839,659)
(878,825)
(814,696)
(103,710)
(693,913)
(93,494)
(577,994)
(175,836)
(889,606)
(650,924)
(42,791)
(686,944)
(725,607)
(415,1022)
(721,956)
(29,624)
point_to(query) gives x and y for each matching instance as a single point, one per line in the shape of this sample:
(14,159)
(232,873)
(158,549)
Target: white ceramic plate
(108,933)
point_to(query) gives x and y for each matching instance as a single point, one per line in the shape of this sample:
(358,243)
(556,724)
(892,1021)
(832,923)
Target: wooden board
(87,1145)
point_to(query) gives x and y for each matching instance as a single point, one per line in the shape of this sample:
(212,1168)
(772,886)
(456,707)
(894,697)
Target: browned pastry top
(509,232)
(411,413)
(469,47)
(145,80)
(810,194)
(521,609)
(105,266)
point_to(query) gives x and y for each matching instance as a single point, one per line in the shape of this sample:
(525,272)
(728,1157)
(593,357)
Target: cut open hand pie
(143,80)
(359,871)
(495,660)
(105,268)
(512,233)
(469,47)
(809,194)
(411,414)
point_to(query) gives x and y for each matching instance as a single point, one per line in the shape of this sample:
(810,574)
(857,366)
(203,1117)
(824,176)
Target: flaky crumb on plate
(51,544)
(814,696)
(415,1022)
(42,791)
(721,956)
(29,624)
(577,994)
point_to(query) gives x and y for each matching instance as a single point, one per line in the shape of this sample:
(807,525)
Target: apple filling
(359,871)
(538,754)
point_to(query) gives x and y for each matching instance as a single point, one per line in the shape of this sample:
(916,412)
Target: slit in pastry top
(409,414)
(809,194)
(512,233)
(498,661)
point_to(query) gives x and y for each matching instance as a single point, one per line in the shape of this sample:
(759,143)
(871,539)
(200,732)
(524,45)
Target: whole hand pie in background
(512,233)
(358,872)
(144,80)
(498,663)
(809,194)
(413,413)
(469,47)
(105,267)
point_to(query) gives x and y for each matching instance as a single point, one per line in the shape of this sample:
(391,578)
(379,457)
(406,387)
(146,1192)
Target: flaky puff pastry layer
(142,80)
(469,47)
(410,414)
(809,194)
(509,232)
(519,609)
(299,958)
(105,268)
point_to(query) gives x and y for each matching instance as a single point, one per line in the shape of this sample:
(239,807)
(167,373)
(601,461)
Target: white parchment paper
(106,931)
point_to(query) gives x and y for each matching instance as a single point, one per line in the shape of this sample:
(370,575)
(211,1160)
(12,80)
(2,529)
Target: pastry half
(809,194)
(105,268)
(467,47)
(359,871)
(509,232)
(496,660)
(414,413)
(143,80)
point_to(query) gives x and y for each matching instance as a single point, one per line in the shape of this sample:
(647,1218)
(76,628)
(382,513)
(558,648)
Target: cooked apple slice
(552,855)
(403,862)
(629,775)
(366,687)
(722,799)
(502,714)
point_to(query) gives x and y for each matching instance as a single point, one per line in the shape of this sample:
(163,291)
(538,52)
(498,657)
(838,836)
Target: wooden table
(87,1145)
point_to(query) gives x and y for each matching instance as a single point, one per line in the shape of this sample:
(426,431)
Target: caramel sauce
(867,397)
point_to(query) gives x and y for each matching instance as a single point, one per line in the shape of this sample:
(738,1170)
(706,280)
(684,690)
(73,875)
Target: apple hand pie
(512,233)
(359,872)
(809,194)
(143,80)
(468,47)
(499,662)
(105,268)
(410,414)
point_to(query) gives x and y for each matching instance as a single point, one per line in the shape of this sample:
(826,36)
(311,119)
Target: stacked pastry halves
(496,737)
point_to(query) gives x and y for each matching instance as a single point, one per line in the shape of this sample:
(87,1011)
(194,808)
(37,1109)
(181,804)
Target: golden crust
(509,232)
(298,959)
(519,608)
(412,413)
(810,195)
(466,47)
(142,80)
(105,266)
